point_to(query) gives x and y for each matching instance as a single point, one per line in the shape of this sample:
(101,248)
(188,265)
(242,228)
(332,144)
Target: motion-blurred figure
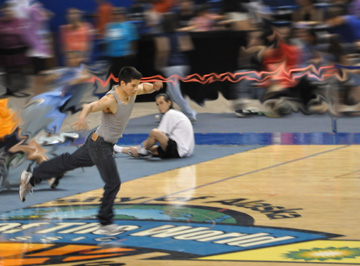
(120,42)
(13,47)
(77,35)
(172,60)
(40,41)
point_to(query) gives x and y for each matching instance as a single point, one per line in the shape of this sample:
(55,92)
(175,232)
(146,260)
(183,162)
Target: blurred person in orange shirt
(280,58)
(103,16)
(164,6)
(77,35)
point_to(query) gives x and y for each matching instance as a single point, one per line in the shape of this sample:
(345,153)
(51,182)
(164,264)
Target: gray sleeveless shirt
(113,125)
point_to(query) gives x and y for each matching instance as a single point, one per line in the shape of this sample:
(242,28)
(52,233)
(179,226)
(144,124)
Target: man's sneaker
(25,186)
(143,153)
(110,230)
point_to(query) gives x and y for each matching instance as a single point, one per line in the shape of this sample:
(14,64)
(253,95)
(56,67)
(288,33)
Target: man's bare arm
(106,103)
(146,88)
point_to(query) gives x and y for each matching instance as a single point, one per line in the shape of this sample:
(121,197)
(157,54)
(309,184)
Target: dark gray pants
(98,153)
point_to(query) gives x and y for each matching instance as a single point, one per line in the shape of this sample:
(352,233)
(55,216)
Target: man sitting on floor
(174,138)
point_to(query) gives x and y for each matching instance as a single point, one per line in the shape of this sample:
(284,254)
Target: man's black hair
(129,73)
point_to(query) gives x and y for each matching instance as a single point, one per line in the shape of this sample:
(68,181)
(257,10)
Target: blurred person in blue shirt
(120,42)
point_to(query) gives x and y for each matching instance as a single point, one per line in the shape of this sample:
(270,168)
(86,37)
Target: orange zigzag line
(229,76)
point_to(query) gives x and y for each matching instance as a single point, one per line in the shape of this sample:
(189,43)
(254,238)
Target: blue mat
(270,138)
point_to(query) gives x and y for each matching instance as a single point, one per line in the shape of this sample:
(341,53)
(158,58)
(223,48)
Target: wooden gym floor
(271,205)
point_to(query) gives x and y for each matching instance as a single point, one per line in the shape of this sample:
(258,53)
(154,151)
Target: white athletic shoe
(25,186)
(143,153)
(110,230)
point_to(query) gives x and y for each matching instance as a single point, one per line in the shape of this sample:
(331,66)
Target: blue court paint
(269,138)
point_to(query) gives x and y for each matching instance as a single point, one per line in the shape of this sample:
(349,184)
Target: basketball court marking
(276,204)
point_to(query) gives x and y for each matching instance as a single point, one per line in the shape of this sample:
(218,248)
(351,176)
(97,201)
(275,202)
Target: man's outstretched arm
(105,104)
(147,88)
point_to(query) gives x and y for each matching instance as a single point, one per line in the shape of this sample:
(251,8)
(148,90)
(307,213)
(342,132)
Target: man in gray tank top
(116,107)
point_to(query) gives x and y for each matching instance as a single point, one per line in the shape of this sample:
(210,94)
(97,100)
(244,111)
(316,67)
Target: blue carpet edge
(266,138)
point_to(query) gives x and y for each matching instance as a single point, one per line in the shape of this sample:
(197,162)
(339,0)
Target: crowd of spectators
(280,36)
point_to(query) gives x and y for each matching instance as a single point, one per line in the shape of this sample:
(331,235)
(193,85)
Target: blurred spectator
(257,11)
(246,91)
(347,26)
(185,12)
(236,12)
(76,35)
(337,8)
(103,16)
(163,6)
(310,88)
(137,10)
(19,7)
(120,42)
(13,47)
(279,59)
(336,53)
(354,7)
(40,41)
(171,59)
(204,20)
(137,15)
(306,39)
(152,19)
(307,11)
